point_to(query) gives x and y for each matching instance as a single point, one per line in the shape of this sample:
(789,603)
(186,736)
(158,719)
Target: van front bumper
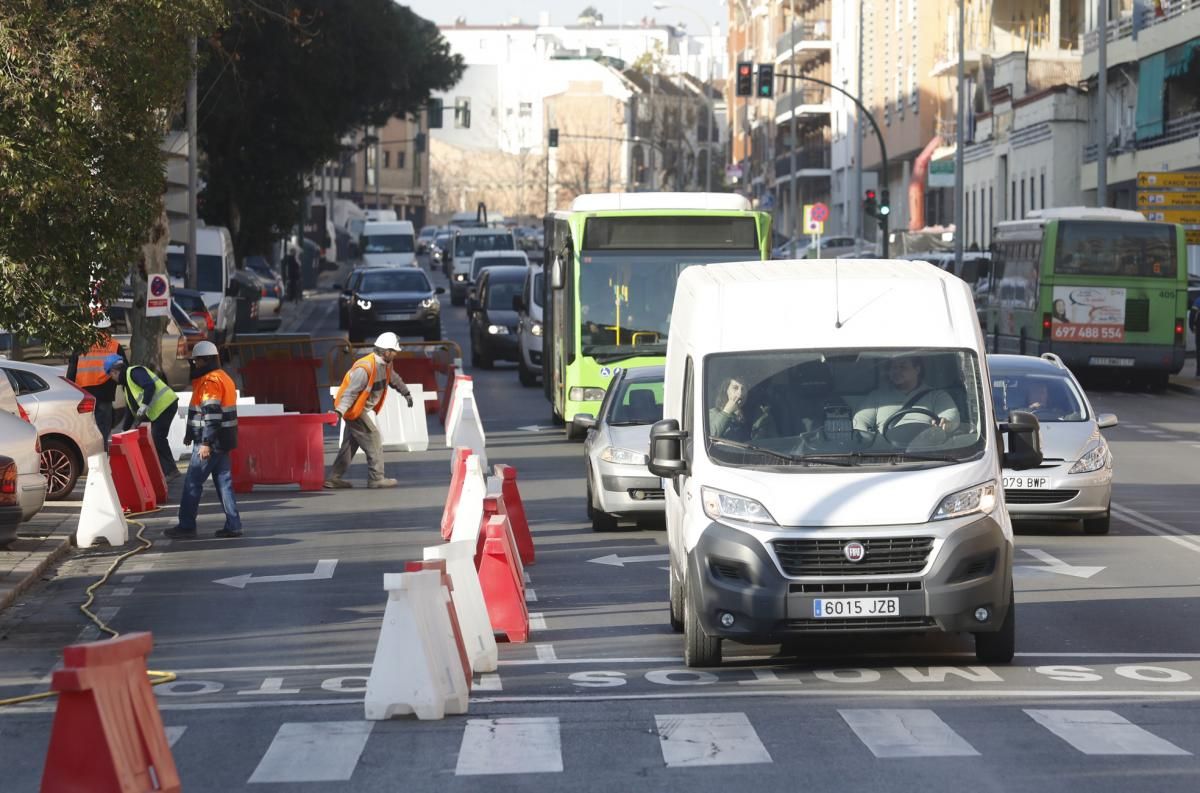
(969,567)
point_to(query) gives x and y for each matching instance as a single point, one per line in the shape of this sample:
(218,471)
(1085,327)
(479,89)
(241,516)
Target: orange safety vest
(214,405)
(89,371)
(367,364)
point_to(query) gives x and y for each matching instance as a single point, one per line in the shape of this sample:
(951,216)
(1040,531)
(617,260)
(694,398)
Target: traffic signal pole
(883,221)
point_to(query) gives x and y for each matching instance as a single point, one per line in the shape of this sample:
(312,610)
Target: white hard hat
(102,322)
(387,341)
(205,349)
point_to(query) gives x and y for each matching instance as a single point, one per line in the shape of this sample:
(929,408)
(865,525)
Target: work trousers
(160,428)
(219,466)
(361,433)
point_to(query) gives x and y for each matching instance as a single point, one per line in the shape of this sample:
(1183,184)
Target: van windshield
(467,244)
(388,243)
(844,408)
(208,271)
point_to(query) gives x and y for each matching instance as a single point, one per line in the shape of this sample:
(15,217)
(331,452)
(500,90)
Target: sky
(494,12)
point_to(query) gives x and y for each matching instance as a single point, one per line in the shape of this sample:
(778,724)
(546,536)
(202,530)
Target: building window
(400,158)
(1042,201)
(387,159)
(1031,206)
(1012,207)
(526,109)
(1022,181)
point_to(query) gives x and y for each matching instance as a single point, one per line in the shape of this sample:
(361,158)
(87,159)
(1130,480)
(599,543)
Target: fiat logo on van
(854,551)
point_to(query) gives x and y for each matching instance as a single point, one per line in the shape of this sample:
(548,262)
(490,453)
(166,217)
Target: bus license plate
(1099,361)
(1025,482)
(856,607)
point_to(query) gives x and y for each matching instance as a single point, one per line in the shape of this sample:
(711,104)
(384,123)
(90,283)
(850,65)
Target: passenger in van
(728,418)
(906,391)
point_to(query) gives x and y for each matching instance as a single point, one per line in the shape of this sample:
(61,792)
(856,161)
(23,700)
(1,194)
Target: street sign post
(820,212)
(1165,179)
(1185,216)
(158,296)
(813,225)
(1156,199)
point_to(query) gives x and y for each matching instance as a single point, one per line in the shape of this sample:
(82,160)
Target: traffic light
(434,110)
(871,205)
(885,208)
(766,81)
(553,138)
(745,78)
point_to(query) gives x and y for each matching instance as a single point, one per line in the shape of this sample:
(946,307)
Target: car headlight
(497,330)
(535,328)
(585,394)
(720,505)
(614,454)
(429,302)
(460,276)
(1093,459)
(365,305)
(980,498)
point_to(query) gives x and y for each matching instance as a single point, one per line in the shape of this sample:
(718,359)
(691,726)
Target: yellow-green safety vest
(164,396)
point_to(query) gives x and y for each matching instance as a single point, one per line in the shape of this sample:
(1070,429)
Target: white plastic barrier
(462,384)
(469,604)
(463,425)
(469,515)
(101,514)
(403,428)
(416,668)
(179,425)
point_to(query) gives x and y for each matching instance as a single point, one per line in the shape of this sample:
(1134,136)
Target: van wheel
(699,649)
(676,602)
(999,647)
(61,466)
(1097,525)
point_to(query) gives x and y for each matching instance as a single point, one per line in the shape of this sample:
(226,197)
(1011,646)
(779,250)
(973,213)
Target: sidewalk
(1186,379)
(40,543)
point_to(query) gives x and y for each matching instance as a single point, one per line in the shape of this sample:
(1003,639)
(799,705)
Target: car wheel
(528,379)
(601,520)
(676,603)
(61,467)
(999,647)
(1097,525)
(699,649)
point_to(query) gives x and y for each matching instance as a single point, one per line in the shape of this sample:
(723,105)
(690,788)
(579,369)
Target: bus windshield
(1107,248)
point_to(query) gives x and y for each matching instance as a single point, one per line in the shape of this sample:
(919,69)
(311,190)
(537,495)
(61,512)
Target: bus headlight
(585,394)
(535,328)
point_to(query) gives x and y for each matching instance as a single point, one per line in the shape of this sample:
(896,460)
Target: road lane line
(132,579)
(1155,526)
(313,751)
(1103,732)
(174,734)
(510,746)
(906,733)
(545,652)
(537,621)
(531,595)
(120,591)
(696,739)
(488,681)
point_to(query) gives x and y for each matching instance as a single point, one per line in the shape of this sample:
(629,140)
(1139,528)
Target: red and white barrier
(464,427)
(501,581)
(458,475)
(468,515)
(468,603)
(514,507)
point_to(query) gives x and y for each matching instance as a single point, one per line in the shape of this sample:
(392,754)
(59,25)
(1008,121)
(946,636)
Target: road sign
(1168,199)
(158,296)
(1186,216)
(1164,179)
(1192,236)
(820,212)
(811,224)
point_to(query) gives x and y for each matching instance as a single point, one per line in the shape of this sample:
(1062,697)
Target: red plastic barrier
(129,473)
(494,505)
(281,450)
(448,395)
(108,736)
(419,369)
(440,565)
(457,475)
(291,382)
(516,511)
(501,583)
(153,466)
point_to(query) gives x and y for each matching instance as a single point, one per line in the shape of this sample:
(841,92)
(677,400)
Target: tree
(590,16)
(286,81)
(86,91)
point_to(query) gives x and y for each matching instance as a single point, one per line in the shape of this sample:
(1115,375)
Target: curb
(35,569)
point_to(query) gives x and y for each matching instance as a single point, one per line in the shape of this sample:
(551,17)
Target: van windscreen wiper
(749,447)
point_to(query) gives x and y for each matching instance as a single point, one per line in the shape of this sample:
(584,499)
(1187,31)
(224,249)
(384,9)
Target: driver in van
(906,393)
(730,419)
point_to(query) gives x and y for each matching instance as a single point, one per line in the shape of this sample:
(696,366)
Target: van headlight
(719,505)
(614,454)
(535,328)
(980,498)
(1093,459)
(585,394)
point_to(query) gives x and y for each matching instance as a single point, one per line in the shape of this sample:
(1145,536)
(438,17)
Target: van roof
(388,225)
(823,303)
(481,230)
(596,202)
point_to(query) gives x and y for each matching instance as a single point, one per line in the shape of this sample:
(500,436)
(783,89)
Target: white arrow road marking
(619,561)
(324,569)
(535,428)
(1056,565)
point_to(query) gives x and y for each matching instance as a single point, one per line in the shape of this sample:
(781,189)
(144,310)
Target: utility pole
(857,225)
(959,141)
(1102,104)
(378,172)
(792,148)
(193,278)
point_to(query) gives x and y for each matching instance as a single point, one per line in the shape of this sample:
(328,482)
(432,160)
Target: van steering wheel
(890,424)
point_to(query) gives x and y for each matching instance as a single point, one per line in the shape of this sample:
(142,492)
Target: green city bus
(1104,289)
(612,261)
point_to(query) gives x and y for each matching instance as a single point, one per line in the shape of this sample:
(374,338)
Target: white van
(389,242)
(832,457)
(215,263)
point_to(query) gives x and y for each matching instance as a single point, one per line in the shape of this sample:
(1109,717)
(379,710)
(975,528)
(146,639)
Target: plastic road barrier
(501,582)
(468,603)
(280,450)
(180,449)
(494,505)
(463,425)
(401,427)
(414,670)
(450,417)
(107,733)
(468,516)
(154,469)
(458,473)
(129,473)
(101,514)
(418,370)
(451,382)
(291,382)
(515,509)
(455,639)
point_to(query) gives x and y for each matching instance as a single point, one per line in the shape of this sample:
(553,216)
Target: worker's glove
(140,416)
(408,398)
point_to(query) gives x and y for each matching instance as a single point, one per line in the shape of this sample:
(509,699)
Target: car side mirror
(441,290)
(666,449)
(1024,441)
(584,421)
(1106,420)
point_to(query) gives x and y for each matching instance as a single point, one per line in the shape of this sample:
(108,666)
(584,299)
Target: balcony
(803,101)
(1123,27)
(1175,130)
(809,38)
(811,161)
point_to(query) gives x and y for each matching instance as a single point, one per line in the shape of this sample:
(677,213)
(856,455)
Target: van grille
(1039,496)
(1137,314)
(863,587)
(884,556)
(867,624)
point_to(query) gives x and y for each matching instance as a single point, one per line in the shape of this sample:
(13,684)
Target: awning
(1179,58)
(1150,96)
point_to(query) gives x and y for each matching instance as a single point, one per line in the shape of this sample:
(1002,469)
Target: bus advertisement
(612,261)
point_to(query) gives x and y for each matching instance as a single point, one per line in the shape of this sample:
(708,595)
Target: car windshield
(844,408)
(501,293)
(467,244)
(388,243)
(636,402)
(394,281)
(480,263)
(1049,396)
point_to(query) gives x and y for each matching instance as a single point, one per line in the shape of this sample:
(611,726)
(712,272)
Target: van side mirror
(1024,441)
(666,449)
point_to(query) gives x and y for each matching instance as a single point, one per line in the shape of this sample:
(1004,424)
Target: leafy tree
(286,81)
(86,91)
(590,16)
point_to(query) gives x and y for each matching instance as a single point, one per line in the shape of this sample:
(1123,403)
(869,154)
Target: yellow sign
(1186,216)
(1165,199)
(1164,179)
(814,227)
(1192,236)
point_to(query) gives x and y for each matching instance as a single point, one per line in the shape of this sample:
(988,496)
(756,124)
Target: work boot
(337,483)
(227,533)
(179,533)
(380,483)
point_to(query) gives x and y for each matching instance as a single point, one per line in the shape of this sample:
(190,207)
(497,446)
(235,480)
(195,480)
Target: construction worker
(212,432)
(87,372)
(358,400)
(149,398)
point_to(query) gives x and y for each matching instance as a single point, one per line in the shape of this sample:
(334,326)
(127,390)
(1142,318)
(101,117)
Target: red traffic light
(744,69)
(870,195)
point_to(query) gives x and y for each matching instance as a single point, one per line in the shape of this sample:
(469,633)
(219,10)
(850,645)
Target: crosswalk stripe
(906,733)
(510,746)
(174,734)
(1103,732)
(320,751)
(692,739)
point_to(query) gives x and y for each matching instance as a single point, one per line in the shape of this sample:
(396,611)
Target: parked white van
(832,457)
(389,242)
(215,263)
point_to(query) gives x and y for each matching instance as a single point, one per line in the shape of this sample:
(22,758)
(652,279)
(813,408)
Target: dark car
(439,248)
(399,299)
(493,316)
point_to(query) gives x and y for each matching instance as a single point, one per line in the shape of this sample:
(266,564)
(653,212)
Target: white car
(63,415)
(22,486)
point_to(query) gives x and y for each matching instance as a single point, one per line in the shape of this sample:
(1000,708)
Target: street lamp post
(708,126)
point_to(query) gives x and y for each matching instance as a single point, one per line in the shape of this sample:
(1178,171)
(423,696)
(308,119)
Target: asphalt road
(1102,695)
